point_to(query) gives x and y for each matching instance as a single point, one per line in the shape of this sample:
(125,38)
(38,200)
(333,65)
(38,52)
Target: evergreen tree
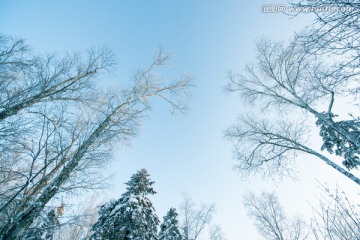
(132,217)
(339,143)
(169,229)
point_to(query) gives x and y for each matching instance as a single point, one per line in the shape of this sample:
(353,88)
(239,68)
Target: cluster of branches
(298,79)
(271,220)
(57,127)
(195,219)
(335,26)
(336,218)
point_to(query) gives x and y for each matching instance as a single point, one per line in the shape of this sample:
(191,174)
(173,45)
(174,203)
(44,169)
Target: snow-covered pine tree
(132,217)
(169,229)
(336,139)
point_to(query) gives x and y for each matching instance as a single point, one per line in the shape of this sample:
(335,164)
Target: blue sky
(206,38)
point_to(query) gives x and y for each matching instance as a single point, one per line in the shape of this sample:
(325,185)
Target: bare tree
(67,126)
(334,36)
(271,221)
(337,217)
(285,80)
(78,222)
(196,219)
(335,27)
(216,233)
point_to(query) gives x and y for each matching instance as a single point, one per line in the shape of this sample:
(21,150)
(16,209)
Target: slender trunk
(15,228)
(332,164)
(300,147)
